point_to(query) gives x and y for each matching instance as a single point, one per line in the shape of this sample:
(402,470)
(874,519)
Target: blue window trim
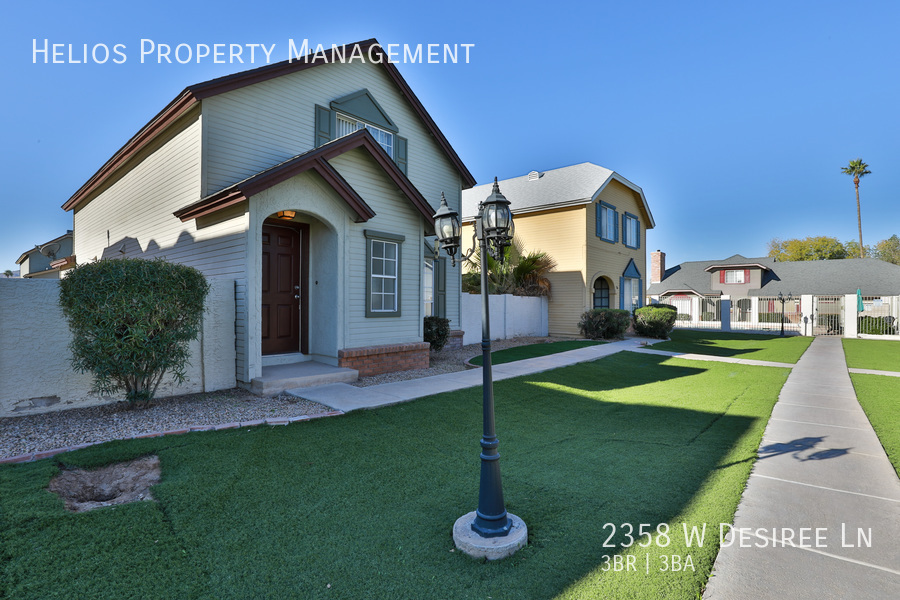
(615,226)
(625,239)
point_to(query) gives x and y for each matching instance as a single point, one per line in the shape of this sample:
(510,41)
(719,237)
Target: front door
(280,289)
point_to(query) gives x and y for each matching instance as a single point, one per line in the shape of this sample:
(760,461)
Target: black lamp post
(782,299)
(494,232)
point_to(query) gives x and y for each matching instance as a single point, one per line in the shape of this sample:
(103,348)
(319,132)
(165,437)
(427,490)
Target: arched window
(601,293)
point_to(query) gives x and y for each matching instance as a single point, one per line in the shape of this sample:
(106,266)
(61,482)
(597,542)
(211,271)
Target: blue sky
(735,118)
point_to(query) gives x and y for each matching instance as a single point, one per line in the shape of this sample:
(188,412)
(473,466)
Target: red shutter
(722,276)
(746,275)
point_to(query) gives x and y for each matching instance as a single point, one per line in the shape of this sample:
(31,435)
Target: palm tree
(7,273)
(857,168)
(520,274)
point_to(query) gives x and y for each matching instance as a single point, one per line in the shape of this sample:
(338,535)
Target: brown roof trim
(736,266)
(193,94)
(63,263)
(316,160)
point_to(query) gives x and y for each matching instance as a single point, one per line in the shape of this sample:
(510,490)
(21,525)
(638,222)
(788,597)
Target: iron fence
(879,316)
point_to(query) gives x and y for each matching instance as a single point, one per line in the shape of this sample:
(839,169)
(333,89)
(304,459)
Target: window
(631,289)
(735,276)
(428,285)
(601,293)
(631,231)
(347,125)
(607,222)
(382,274)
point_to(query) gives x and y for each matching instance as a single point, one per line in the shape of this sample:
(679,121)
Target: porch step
(278,378)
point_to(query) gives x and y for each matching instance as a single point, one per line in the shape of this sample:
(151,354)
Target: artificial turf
(362,506)
(880,355)
(878,394)
(534,350)
(773,348)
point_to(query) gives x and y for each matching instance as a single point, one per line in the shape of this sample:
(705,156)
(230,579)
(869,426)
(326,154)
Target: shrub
(682,317)
(131,321)
(654,321)
(876,325)
(708,316)
(604,323)
(437,332)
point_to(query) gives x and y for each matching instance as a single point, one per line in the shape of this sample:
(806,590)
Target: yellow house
(592,221)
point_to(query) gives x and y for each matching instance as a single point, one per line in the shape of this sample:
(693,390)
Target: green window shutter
(400,153)
(621,292)
(616,226)
(640,284)
(440,287)
(599,220)
(638,235)
(326,125)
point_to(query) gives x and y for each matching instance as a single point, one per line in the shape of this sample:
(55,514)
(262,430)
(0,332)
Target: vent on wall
(534,176)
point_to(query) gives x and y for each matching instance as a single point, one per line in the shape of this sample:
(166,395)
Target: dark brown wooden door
(280,289)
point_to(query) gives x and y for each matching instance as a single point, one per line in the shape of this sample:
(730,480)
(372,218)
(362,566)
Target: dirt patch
(113,484)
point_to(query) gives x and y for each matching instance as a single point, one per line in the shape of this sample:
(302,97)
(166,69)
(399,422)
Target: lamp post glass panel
(493,231)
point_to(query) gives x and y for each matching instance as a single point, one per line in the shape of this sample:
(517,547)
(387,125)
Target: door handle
(296,296)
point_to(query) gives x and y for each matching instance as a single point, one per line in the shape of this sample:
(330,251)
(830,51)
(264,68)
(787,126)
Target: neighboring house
(752,284)
(47,260)
(592,221)
(312,185)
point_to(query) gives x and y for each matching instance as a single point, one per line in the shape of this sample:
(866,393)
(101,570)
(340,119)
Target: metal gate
(828,315)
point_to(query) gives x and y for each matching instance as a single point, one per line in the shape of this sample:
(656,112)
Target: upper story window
(347,125)
(607,222)
(735,276)
(631,231)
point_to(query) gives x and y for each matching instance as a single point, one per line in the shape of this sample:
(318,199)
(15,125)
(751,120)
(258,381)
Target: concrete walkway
(345,397)
(821,469)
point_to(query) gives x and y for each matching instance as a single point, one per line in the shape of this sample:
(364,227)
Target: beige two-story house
(592,221)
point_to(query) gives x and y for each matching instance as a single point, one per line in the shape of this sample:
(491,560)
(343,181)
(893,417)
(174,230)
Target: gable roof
(317,160)
(24,255)
(193,94)
(558,188)
(816,277)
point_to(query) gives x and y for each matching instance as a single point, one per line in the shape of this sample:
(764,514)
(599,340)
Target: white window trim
(384,137)
(738,276)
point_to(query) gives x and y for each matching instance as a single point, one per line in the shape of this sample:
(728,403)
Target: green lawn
(362,506)
(881,355)
(878,395)
(786,349)
(534,350)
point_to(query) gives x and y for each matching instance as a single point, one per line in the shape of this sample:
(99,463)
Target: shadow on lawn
(713,342)
(362,506)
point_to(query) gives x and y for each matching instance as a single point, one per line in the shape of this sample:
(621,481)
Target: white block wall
(511,316)
(35,371)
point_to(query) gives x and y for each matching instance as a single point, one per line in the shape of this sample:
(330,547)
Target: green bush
(772,317)
(131,321)
(604,323)
(682,317)
(876,326)
(654,321)
(437,332)
(708,316)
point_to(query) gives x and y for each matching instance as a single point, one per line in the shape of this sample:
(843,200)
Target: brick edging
(32,456)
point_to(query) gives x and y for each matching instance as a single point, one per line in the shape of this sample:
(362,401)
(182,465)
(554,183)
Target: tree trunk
(862,253)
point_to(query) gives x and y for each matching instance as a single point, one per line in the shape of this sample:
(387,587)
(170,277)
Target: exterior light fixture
(287,215)
(782,299)
(490,531)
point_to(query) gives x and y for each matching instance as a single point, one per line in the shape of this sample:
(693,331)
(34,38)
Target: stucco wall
(511,316)
(35,372)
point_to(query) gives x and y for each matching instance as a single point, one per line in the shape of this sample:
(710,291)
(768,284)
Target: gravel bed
(449,361)
(60,429)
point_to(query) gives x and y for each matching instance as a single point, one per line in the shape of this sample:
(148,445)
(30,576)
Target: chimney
(657,266)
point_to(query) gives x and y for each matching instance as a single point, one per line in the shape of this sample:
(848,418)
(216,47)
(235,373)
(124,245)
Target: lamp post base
(492,548)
